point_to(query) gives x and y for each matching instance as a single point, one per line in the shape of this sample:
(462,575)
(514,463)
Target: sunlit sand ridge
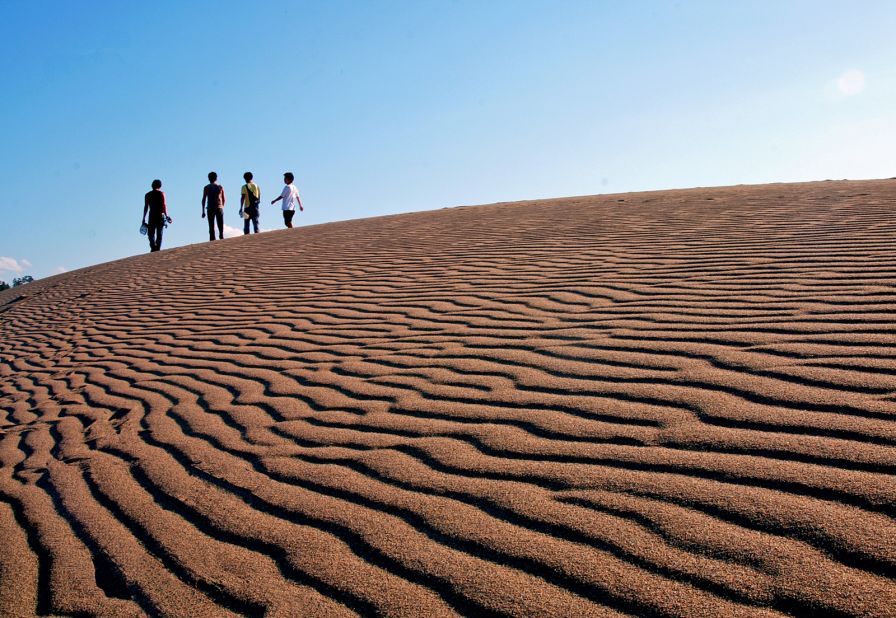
(676,403)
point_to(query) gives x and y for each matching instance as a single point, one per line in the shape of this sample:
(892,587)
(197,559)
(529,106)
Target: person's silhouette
(155,205)
(213,200)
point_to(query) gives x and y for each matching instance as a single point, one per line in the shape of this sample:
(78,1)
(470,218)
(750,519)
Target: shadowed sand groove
(677,403)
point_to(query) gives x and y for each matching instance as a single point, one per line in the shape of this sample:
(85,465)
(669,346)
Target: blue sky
(387,107)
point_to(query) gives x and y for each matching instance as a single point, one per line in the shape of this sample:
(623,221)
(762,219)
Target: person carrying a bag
(155,205)
(250,198)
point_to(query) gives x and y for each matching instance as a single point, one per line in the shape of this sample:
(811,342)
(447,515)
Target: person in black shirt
(213,195)
(154,204)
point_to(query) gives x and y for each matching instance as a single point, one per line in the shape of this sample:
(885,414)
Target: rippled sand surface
(676,403)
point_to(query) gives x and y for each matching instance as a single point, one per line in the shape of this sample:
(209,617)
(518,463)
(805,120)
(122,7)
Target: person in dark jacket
(154,204)
(213,198)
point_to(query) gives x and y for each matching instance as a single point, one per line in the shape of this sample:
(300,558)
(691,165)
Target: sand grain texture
(676,403)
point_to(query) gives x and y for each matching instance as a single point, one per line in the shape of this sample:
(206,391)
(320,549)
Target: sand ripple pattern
(677,403)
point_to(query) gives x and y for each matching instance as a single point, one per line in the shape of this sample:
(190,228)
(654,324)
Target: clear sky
(387,107)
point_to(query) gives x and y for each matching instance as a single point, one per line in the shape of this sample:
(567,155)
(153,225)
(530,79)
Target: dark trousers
(215,213)
(253,217)
(155,234)
(287,217)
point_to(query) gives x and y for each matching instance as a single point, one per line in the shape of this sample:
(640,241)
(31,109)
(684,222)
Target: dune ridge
(675,403)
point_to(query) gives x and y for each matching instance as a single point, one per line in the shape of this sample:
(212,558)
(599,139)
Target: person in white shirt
(291,199)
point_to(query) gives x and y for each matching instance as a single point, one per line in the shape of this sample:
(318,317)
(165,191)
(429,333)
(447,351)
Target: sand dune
(677,403)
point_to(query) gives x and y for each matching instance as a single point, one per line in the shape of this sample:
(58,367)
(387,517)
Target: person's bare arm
(223,198)
(299,200)
(279,197)
(145,209)
(204,196)
(165,206)
(243,197)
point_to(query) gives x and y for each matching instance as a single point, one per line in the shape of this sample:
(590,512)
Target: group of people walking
(213,200)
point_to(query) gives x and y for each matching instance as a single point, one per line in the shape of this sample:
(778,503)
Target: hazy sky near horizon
(389,107)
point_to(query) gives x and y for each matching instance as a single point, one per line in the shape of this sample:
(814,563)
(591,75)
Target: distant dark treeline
(16,282)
